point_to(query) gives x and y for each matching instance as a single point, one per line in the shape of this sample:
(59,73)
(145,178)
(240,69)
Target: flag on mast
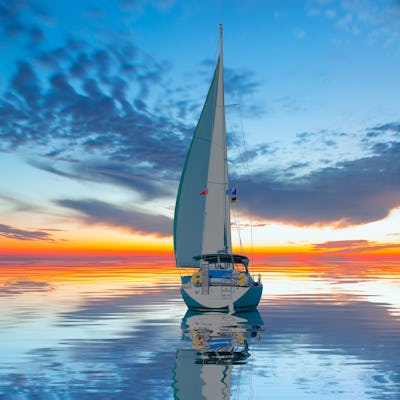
(205,191)
(232,192)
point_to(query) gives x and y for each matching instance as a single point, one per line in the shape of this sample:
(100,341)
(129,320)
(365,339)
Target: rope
(242,151)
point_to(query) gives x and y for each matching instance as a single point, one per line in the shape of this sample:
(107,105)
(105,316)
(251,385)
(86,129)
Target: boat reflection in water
(218,342)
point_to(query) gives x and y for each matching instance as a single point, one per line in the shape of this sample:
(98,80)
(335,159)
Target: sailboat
(202,229)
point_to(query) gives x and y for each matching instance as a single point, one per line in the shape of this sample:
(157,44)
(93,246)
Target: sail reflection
(217,342)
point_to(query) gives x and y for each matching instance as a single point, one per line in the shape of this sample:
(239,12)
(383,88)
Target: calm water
(124,333)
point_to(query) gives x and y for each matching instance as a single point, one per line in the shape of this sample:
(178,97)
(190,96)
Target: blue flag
(232,193)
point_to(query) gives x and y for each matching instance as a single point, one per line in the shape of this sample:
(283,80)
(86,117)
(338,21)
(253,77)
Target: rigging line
(247,171)
(235,207)
(243,154)
(237,223)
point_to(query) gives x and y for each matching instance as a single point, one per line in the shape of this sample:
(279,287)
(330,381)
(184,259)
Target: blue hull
(248,302)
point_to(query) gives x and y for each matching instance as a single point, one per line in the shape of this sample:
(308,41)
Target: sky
(99,100)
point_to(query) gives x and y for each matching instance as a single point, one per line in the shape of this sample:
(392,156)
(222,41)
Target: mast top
(220,39)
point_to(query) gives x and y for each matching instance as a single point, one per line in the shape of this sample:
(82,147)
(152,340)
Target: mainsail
(202,221)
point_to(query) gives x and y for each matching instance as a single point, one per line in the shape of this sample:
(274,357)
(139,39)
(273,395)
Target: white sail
(202,221)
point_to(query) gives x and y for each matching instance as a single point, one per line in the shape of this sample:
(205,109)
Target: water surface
(322,332)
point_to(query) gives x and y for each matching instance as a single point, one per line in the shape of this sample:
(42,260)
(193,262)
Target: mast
(220,43)
(227,226)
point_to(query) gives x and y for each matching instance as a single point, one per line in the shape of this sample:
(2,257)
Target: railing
(209,279)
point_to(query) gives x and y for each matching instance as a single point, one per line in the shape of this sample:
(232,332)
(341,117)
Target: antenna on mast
(219,12)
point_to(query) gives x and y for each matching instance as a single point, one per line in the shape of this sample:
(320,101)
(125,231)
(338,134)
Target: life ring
(198,342)
(242,279)
(197,278)
(239,337)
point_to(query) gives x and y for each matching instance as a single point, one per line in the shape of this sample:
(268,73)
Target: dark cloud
(133,178)
(141,180)
(19,19)
(352,192)
(239,83)
(40,164)
(325,137)
(87,109)
(392,127)
(22,234)
(26,85)
(298,165)
(246,154)
(99,212)
(378,138)
(107,108)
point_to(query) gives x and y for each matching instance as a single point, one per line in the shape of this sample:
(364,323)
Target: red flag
(205,191)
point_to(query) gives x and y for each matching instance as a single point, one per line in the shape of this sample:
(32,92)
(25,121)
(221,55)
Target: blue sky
(99,100)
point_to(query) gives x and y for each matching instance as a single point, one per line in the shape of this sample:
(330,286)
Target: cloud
(343,247)
(142,180)
(21,234)
(378,20)
(93,115)
(351,192)
(240,82)
(18,20)
(99,212)
(340,244)
(108,110)
(25,84)
(327,137)
(246,154)
(240,85)
(391,127)
(18,205)
(107,113)
(104,112)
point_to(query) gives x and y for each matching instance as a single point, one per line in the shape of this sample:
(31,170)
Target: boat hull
(223,298)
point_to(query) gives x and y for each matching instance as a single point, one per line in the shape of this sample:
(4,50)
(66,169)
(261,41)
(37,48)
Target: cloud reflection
(89,342)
